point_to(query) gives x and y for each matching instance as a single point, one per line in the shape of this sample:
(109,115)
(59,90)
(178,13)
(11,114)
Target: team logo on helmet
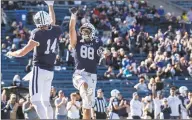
(42,18)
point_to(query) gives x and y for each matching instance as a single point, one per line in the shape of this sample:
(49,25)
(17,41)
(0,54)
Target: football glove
(100,51)
(49,3)
(73,10)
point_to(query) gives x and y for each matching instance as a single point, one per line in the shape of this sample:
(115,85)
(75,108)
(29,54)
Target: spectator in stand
(53,97)
(159,84)
(61,104)
(151,83)
(12,107)
(58,61)
(16,40)
(189,14)
(128,71)
(131,40)
(189,105)
(29,110)
(140,42)
(141,86)
(123,114)
(189,69)
(4,112)
(28,68)
(3,18)
(16,80)
(109,73)
(130,19)
(153,68)
(165,110)
(175,104)
(20,114)
(184,65)
(8,42)
(13,48)
(115,60)
(73,107)
(184,17)
(148,108)
(120,74)
(161,11)
(4,48)
(125,62)
(157,101)
(105,60)
(142,69)
(78,98)
(169,71)
(136,107)
(169,33)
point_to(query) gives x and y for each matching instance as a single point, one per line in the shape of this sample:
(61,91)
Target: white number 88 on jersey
(87,52)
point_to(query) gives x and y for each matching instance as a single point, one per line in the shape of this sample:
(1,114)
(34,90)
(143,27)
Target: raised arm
(51,11)
(72,31)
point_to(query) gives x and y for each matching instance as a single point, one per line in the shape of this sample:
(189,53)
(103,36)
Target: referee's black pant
(100,115)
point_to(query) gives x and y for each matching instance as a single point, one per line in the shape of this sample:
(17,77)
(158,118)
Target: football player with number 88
(87,50)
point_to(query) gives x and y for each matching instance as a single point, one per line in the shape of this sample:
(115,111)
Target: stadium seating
(186,4)
(63,79)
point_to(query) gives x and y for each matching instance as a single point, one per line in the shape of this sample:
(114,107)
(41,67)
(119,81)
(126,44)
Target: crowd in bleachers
(121,27)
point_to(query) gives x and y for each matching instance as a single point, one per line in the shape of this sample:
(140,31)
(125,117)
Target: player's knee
(84,85)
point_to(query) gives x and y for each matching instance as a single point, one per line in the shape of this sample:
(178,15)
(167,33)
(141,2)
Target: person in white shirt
(60,104)
(73,107)
(136,107)
(175,104)
(141,86)
(148,108)
(157,105)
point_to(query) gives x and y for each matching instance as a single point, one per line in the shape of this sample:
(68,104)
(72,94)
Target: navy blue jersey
(114,102)
(86,54)
(44,55)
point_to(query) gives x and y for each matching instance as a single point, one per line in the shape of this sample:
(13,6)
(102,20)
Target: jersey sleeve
(34,36)
(59,30)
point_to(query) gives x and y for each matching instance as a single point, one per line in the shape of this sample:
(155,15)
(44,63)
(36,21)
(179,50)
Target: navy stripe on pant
(35,80)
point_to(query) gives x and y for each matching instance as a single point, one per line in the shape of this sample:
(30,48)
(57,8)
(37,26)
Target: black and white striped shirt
(100,105)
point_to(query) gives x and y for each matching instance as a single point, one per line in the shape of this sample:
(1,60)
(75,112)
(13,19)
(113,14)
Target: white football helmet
(88,36)
(114,93)
(183,89)
(42,18)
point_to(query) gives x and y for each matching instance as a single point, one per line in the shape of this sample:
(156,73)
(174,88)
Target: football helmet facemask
(87,31)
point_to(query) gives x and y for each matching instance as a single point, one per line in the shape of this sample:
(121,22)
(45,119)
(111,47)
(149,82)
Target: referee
(99,108)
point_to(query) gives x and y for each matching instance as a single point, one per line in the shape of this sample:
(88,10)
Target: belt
(82,72)
(100,112)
